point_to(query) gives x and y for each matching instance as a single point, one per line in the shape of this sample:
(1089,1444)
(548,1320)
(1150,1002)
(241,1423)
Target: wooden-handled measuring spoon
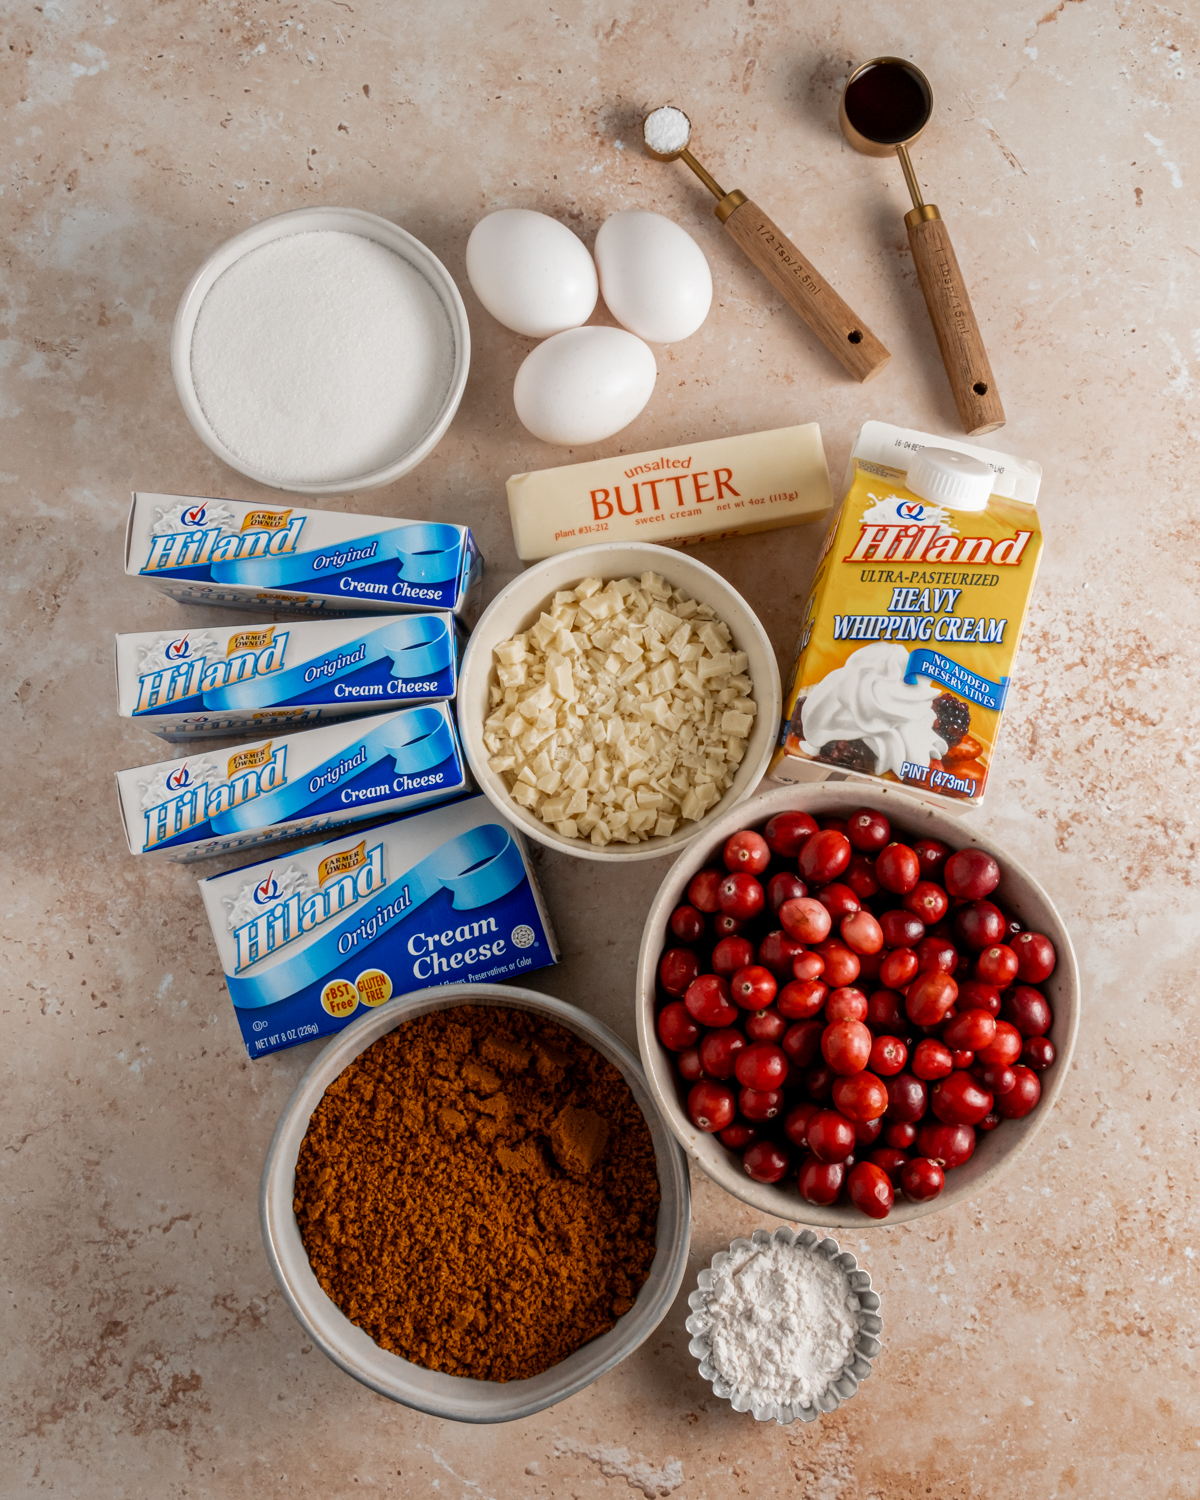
(666,133)
(885,106)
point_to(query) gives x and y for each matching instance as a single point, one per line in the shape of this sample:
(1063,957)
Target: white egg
(654,276)
(530,272)
(583,385)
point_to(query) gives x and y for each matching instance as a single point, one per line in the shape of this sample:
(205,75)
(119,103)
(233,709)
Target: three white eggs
(582,385)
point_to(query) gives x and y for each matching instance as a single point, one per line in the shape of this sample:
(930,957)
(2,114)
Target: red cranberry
(819,1082)
(830,1135)
(846,1004)
(948,1145)
(726,925)
(746,851)
(899,1134)
(691,1069)
(778,952)
(867,1132)
(842,964)
(962,1058)
(971,874)
(1022,1097)
(1038,1053)
(989,1122)
(737,1136)
(969,1030)
(802,1043)
(898,969)
(788,832)
(1004,1048)
(936,953)
(885,1012)
(765,1162)
(710,1106)
(861,933)
(820,1182)
(765,1026)
(931,1059)
(740,895)
(718,1050)
(997,965)
(732,954)
(795,1123)
(897,869)
(932,855)
(702,890)
(838,900)
(824,856)
(995,1078)
(808,966)
(891,1161)
(753,988)
(921,1179)
(888,1056)
(860,1097)
(687,924)
(708,1001)
(761,1065)
(908,1098)
(868,830)
(979,924)
(870,1190)
(760,1104)
(676,1029)
(869,965)
(801,999)
(901,929)
(973,994)
(1027,1010)
(805,919)
(927,901)
(846,1046)
(1035,957)
(676,970)
(859,875)
(929,997)
(784,887)
(959,1100)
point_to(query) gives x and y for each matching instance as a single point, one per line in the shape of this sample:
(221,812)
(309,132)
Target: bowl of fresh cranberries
(852,1009)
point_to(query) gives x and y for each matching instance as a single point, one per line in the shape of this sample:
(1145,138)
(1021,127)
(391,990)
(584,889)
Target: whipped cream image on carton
(210,681)
(434,898)
(285,559)
(273,789)
(914,617)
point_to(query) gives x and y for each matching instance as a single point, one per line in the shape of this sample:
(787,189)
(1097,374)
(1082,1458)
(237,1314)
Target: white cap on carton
(954,480)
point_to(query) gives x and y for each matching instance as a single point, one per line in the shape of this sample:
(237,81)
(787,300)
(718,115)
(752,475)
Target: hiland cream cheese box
(184,684)
(215,801)
(283,559)
(439,897)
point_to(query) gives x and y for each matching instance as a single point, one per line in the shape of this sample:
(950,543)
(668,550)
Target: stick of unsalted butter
(697,492)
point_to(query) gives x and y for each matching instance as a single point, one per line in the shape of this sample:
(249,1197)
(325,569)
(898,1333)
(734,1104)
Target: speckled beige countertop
(1041,1340)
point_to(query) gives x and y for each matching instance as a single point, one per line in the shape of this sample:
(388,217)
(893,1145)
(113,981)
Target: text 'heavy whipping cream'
(914,616)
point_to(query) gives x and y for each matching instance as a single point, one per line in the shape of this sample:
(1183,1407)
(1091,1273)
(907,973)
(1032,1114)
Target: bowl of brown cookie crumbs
(472,1204)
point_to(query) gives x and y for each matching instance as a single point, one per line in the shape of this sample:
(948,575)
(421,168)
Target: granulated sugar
(783,1320)
(320,357)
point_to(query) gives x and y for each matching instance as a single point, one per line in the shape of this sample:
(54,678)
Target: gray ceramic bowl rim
(299,221)
(829,798)
(312,1307)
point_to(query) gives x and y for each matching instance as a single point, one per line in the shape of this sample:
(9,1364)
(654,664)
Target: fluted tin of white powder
(321,357)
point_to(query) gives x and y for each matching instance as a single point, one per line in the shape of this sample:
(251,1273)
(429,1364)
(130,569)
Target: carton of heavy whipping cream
(437,898)
(697,492)
(914,617)
(265,790)
(183,684)
(280,558)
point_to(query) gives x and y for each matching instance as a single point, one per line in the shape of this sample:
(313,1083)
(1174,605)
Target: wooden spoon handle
(803,287)
(954,323)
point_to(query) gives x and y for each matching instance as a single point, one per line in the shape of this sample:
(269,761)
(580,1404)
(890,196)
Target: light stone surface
(1041,1340)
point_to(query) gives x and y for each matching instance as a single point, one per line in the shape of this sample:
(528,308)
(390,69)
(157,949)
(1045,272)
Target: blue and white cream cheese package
(208,681)
(439,897)
(283,559)
(219,800)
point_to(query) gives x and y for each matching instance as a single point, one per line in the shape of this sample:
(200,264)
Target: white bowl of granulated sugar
(784,1325)
(321,350)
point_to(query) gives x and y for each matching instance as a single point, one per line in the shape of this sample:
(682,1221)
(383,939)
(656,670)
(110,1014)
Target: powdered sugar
(321,357)
(781,1323)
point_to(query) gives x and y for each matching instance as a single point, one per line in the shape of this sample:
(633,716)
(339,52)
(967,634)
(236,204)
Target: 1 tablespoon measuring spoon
(885,106)
(766,246)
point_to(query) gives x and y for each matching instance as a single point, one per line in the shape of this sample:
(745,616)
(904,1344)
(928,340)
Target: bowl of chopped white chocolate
(613,700)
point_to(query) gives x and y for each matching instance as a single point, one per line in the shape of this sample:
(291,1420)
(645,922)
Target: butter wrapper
(215,801)
(435,898)
(697,492)
(219,681)
(283,559)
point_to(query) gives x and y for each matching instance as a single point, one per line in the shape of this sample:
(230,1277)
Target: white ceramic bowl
(1018,890)
(453,1396)
(303,221)
(517,606)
